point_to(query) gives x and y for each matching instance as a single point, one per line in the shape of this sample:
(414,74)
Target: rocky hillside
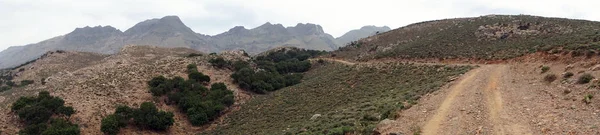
(94,84)
(357,34)
(170,31)
(485,37)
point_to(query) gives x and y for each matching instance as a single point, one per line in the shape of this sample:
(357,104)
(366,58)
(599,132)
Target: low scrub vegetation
(346,99)
(585,78)
(219,62)
(147,116)
(45,115)
(545,69)
(550,78)
(459,38)
(194,55)
(588,98)
(568,75)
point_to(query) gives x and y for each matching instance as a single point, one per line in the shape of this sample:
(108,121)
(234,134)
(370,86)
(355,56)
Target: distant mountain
(170,31)
(268,36)
(357,34)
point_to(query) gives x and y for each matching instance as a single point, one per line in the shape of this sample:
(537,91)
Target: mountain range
(170,31)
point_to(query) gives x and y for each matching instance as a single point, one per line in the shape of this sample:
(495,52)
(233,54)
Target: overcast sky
(31,21)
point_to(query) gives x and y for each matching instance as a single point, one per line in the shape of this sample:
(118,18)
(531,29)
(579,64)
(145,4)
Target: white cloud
(31,21)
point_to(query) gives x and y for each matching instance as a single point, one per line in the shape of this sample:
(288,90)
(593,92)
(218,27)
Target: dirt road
(509,99)
(471,105)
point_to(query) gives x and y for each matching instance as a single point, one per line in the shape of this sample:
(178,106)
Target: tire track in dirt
(433,125)
(494,101)
(496,120)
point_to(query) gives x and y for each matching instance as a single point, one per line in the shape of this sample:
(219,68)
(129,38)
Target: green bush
(66,110)
(199,77)
(192,68)
(585,78)
(340,130)
(219,62)
(34,129)
(147,116)
(26,82)
(37,111)
(194,54)
(61,127)
(111,124)
(11,83)
(545,69)
(568,75)
(588,98)
(238,65)
(5,88)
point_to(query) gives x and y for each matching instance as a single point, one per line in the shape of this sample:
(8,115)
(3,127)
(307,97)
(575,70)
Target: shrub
(219,62)
(568,75)
(585,78)
(192,68)
(199,77)
(111,124)
(320,61)
(588,98)
(61,127)
(340,130)
(5,88)
(26,82)
(550,78)
(238,65)
(37,111)
(147,116)
(545,69)
(35,129)
(292,79)
(194,54)
(67,111)
(157,81)
(10,83)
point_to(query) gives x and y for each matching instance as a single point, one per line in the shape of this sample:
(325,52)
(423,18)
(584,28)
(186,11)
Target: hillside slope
(485,37)
(334,97)
(95,84)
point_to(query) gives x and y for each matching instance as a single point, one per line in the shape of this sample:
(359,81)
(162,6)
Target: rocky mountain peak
(269,28)
(307,29)
(375,28)
(237,29)
(91,34)
(94,30)
(167,24)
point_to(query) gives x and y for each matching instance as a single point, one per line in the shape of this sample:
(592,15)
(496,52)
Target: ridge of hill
(486,37)
(357,34)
